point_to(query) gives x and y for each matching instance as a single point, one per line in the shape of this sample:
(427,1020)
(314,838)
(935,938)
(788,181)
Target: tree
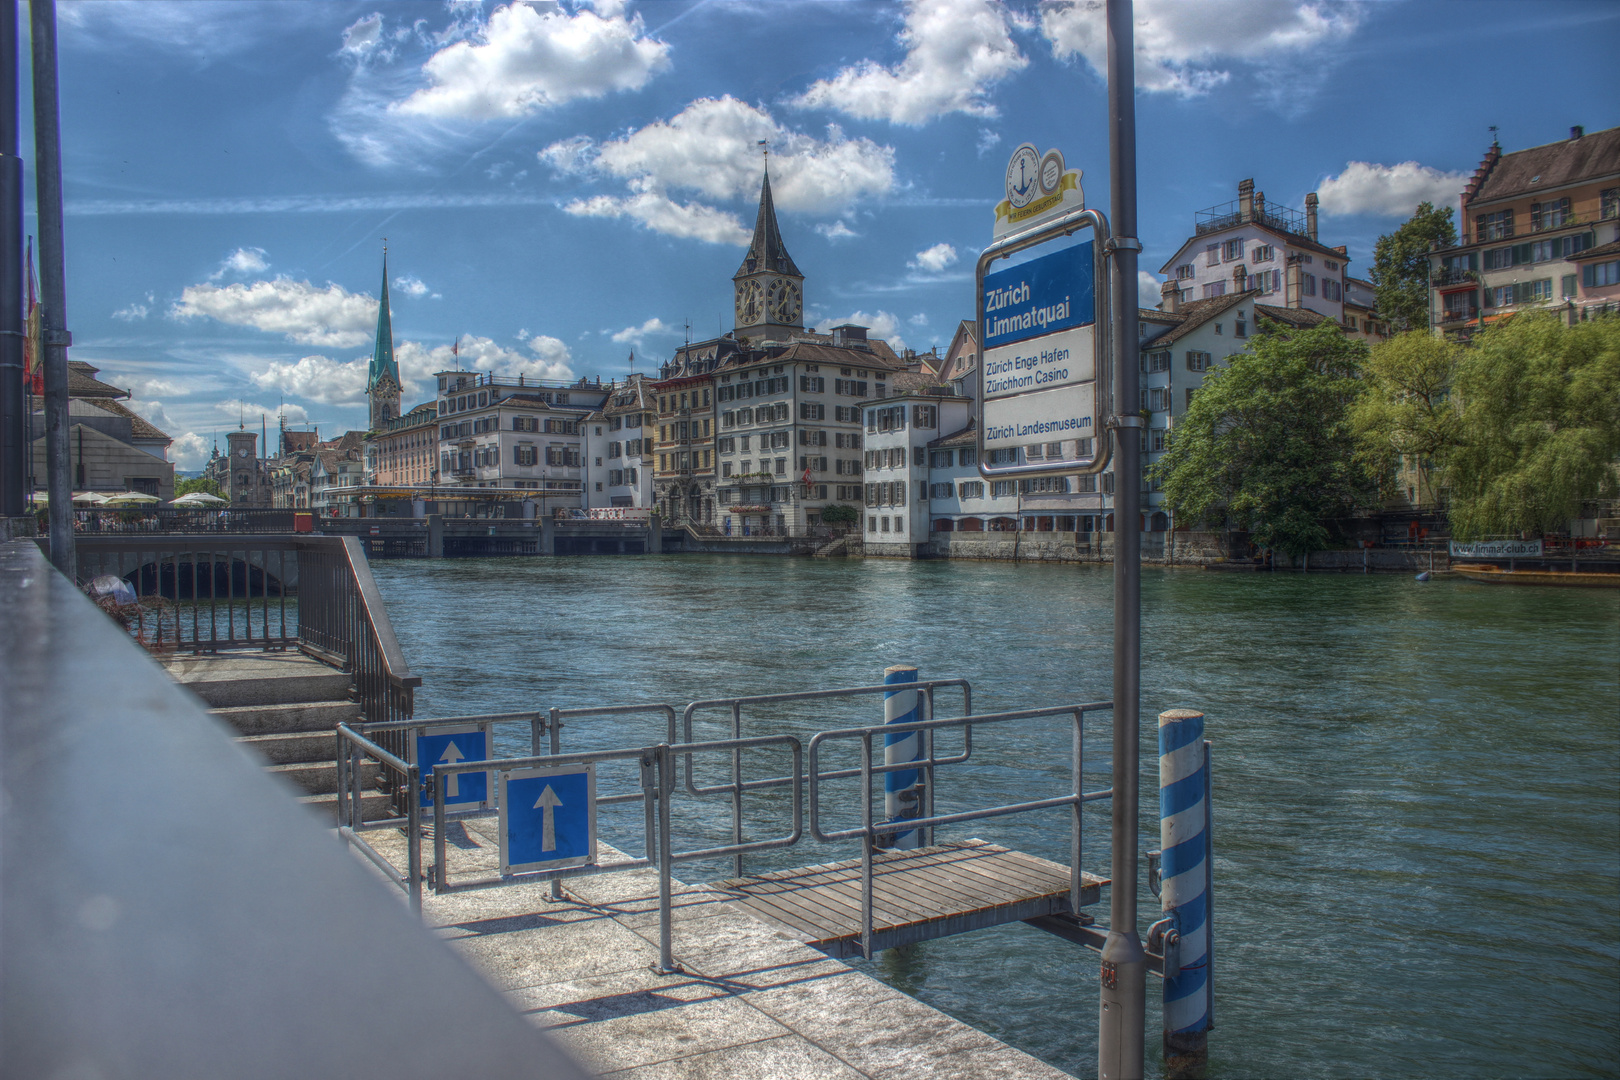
(198,483)
(1400,270)
(1267,445)
(1407,414)
(1540,425)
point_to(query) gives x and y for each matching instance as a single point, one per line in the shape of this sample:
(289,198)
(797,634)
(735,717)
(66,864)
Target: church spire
(767,252)
(382,353)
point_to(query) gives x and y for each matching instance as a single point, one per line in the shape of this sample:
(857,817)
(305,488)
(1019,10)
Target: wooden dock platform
(919,895)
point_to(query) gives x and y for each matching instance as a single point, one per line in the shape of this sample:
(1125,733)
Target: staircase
(284,706)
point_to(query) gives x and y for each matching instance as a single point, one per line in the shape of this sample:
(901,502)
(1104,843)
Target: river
(1417,786)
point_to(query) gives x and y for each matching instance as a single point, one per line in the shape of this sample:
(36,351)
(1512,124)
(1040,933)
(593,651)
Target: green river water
(1417,786)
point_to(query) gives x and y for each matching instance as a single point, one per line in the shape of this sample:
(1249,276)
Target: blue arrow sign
(448,747)
(548,818)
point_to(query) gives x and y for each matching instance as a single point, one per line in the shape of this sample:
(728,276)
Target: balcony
(1453,276)
(1457,315)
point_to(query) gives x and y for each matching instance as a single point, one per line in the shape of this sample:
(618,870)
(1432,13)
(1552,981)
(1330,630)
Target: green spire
(382,354)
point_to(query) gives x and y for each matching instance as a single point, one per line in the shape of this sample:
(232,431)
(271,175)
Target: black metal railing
(1453,275)
(167,519)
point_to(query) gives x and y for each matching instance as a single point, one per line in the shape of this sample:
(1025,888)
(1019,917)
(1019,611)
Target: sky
(564,185)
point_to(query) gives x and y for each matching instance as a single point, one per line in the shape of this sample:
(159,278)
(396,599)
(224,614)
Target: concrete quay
(749,1001)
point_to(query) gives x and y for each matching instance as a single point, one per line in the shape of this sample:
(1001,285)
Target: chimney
(1310,215)
(1577,131)
(1170,296)
(1240,277)
(1246,200)
(1259,205)
(1344,250)
(1293,282)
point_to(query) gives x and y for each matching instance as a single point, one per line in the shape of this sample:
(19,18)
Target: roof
(966,437)
(766,251)
(1196,314)
(1289,239)
(1541,168)
(82,382)
(139,426)
(633,396)
(383,369)
(813,352)
(294,441)
(1300,317)
(919,382)
(1602,251)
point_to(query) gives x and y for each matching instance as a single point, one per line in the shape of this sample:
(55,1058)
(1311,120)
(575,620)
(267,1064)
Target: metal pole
(665,776)
(13,404)
(900,794)
(1185,894)
(52,280)
(1121,1039)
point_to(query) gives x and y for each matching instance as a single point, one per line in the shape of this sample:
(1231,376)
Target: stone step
(374,805)
(314,684)
(288,717)
(294,747)
(320,778)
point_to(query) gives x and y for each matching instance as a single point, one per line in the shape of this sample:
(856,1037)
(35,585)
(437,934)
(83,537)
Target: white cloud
(243,261)
(1387,190)
(153,411)
(189,451)
(330,317)
(155,388)
(1147,289)
(919,319)
(525,59)
(837,230)
(1182,46)
(236,408)
(636,335)
(411,285)
(546,358)
(955,50)
(688,221)
(934,259)
(318,378)
(364,37)
(132,313)
(712,148)
(988,139)
(882,324)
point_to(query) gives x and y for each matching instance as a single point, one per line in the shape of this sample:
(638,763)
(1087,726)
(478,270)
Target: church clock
(750,303)
(784,301)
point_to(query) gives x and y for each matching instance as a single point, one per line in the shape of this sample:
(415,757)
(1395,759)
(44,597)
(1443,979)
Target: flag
(806,480)
(33,370)
(455,350)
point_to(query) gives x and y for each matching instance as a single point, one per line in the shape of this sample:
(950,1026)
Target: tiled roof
(1300,317)
(815,353)
(139,426)
(1602,251)
(966,437)
(1541,168)
(1196,314)
(919,382)
(82,382)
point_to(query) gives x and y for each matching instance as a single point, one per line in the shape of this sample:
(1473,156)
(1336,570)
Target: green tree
(1540,425)
(838,514)
(1400,270)
(1267,443)
(198,483)
(1407,414)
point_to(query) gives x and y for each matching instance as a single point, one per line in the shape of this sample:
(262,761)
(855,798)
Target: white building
(337,481)
(895,460)
(619,447)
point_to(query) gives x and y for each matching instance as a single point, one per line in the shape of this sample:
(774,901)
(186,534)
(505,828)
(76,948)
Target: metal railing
(734,705)
(870,832)
(168,519)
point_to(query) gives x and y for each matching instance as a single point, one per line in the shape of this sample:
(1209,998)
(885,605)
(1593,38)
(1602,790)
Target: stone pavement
(749,1002)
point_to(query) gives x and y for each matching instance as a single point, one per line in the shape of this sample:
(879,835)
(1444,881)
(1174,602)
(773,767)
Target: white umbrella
(198,498)
(131,498)
(88,498)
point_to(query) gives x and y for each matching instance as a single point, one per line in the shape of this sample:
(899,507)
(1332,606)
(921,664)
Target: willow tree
(1540,425)
(1267,444)
(1408,416)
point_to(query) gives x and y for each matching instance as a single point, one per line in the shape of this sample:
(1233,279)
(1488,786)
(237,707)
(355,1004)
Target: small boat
(1423,576)
(1576,578)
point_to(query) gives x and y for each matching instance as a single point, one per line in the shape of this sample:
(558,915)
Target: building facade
(683,473)
(513,433)
(619,447)
(896,461)
(382,378)
(403,451)
(1527,221)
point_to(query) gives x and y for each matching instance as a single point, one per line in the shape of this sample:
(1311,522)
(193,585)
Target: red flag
(807,476)
(33,370)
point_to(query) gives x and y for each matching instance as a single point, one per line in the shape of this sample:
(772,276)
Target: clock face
(1051,171)
(750,304)
(784,301)
(242,452)
(1023,176)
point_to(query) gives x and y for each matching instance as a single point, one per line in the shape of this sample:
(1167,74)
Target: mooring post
(1184,839)
(902,794)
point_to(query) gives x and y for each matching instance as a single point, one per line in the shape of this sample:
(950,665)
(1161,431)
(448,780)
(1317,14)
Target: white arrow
(452,755)
(547,804)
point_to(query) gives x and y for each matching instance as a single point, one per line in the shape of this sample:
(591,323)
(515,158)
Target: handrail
(376,612)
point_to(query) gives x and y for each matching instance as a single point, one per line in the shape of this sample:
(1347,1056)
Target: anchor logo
(1023,175)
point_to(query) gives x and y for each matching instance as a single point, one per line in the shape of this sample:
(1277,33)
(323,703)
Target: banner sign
(1042,296)
(1038,186)
(1497,549)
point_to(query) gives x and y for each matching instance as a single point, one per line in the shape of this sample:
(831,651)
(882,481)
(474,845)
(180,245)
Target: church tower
(768,288)
(382,381)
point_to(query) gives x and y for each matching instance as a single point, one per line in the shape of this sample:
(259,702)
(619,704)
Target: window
(847,467)
(1044,485)
(1232,250)
(1006,456)
(1212,255)
(1566,286)
(892,418)
(970,489)
(940,459)
(1184,271)
(1158,437)
(1548,215)
(1002,488)
(725,468)
(1157,398)
(781,466)
(847,440)
(1197,361)
(1086,483)
(918,454)
(812,410)
(941,491)
(847,414)
(1214,289)
(1597,275)
(1522,292)
(727,445)
(525,455)
(849,387)
(924,416)
(1609,203)
(812,438)
(1240,329)
(812,384)
(1309,285)
(1108,483)
(615,450)
(968,455)
(1217,328)
(1158,361)
(1497,226)
(1332,290)
(1263,253)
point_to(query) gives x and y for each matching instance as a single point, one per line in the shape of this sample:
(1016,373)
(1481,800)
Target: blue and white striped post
(1184,839)
(902,788)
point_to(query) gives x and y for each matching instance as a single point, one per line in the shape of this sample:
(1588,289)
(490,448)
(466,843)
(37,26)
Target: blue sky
(561,184)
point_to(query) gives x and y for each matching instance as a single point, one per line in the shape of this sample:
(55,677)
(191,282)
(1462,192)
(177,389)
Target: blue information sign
(548,818)
(1054,292)
(448,747)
